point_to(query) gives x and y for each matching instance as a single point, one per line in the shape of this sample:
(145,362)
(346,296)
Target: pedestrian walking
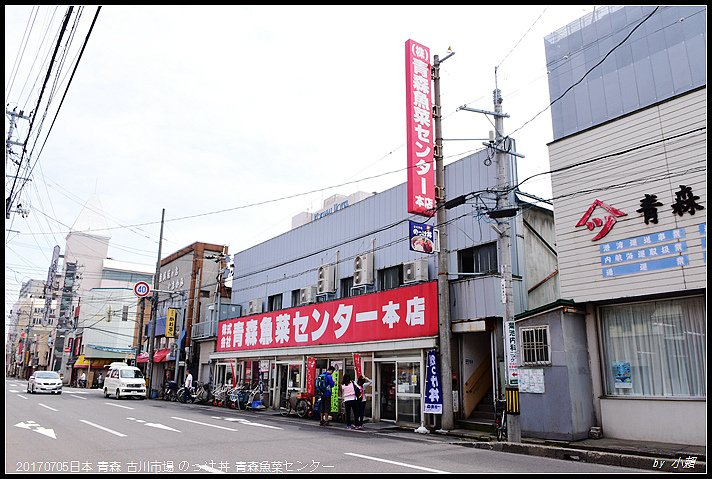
(352,398)
(188,385)
(322,387)
(363,383)
(83,380)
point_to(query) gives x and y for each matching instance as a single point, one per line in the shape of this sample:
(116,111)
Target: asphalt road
(81,431)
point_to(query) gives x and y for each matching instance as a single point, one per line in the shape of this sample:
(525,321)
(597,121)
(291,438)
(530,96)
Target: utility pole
(154,309)
(183,295)
(444,327)
(140,329)
(504,244)
(503,213)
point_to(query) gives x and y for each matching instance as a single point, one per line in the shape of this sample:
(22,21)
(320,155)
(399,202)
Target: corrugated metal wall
(290,261)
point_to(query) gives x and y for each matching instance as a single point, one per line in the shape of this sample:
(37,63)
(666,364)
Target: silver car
(45,382)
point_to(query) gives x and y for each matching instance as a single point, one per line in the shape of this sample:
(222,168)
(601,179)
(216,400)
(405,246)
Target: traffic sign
(142,289)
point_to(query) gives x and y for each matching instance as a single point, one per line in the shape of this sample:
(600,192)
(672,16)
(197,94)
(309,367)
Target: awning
(142,358)
(101,363)
(81,362)
(161,355)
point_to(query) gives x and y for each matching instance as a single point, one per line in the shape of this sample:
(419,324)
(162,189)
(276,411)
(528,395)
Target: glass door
(387,387)
(408,392)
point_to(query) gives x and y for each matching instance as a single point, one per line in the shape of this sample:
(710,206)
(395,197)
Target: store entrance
(387,387)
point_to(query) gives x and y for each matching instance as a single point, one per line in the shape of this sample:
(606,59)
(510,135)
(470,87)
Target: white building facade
(629,182)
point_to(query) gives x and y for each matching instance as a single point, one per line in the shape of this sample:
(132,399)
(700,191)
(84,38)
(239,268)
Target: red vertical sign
(419,108)
(357,365)
(311,375)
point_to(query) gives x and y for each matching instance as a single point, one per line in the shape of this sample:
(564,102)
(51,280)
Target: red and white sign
(142,289)
(419,115)
(402,313)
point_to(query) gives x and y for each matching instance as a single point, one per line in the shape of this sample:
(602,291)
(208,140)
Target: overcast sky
(207,110)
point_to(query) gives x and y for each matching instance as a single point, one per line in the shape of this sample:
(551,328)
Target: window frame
(469,260)
(534,346)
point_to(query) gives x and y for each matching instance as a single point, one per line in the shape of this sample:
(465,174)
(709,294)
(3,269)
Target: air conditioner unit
(326,281)
(307,295)
(254,306)
(415,271)
(363,269)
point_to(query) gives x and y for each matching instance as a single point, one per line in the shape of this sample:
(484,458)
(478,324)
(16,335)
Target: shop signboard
(171,314)
(433,391)
(335,392)
(357,365)
(419,130)
(402,313)
(421,237)
(311,375)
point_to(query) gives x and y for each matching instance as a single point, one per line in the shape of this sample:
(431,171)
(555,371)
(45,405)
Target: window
(128,276)
(274,302)
(655,348)
(296,295)
(345,288)
(478,259)
(389,278)
(535,346)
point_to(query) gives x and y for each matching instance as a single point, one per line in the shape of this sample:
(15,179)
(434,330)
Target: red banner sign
(402,313)
(311,376)
(419,127)
(357,365)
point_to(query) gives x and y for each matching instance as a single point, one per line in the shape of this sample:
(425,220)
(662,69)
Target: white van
(123,380)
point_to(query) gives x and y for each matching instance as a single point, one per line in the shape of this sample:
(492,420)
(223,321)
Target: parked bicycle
(295,401)
(169,391)
(500,421)
(198,394)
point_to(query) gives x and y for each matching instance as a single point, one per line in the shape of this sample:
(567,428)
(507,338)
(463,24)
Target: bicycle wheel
(284,407)
(302,408)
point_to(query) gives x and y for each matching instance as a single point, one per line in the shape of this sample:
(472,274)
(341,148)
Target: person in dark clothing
(363,383)
(325,396)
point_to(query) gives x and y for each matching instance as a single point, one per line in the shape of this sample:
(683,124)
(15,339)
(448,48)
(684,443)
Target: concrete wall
(565,410)
(678,422)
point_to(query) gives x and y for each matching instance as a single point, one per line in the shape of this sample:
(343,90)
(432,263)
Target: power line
(589,71)
(522,38)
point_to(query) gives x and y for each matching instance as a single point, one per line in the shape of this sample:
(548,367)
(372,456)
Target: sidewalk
(645,455)
(652,456)
(659,456)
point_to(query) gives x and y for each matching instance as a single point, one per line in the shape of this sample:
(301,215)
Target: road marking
(118,405)
(103,428)
(247,422)
(396,463)
(50,408)
(152,424)
(204,423)
(21,396)
(78,397)
(14,391)
(210,469)
(37,428)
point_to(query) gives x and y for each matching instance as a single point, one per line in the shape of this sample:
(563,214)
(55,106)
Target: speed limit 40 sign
(142,289)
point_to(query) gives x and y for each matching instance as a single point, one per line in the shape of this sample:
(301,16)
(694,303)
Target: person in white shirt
(83,380)
(350,401)
(188,386)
